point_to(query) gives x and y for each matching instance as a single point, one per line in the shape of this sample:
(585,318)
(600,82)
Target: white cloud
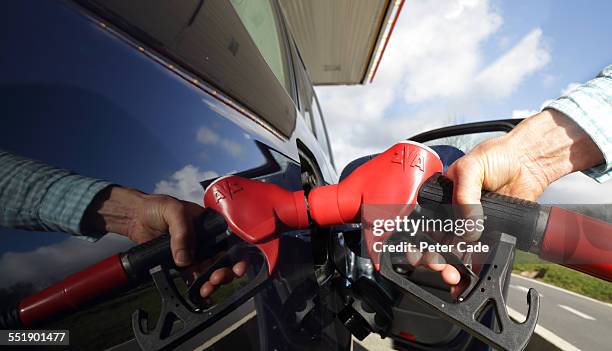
(49,264)
(432,73)
(438,43)
(527,113)
(231,147)
(207,136)
(184,184)
(523,113)
(503,76)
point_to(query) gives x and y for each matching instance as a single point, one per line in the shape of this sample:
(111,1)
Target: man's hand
(142,217)
(522,164)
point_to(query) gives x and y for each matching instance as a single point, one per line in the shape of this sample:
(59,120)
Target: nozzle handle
(138,260)
(523,219)
(555,234)
(114,274)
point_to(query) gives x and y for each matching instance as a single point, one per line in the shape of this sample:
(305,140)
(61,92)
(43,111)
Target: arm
(590,106)
(524,162)
(572,134)
(36,196)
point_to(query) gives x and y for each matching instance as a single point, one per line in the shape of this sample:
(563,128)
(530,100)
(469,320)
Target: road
(579,322)
(567,320)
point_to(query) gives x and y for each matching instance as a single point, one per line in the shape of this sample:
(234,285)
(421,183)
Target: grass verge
(562,277)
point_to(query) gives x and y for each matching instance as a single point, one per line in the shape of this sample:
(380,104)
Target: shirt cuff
(65,203)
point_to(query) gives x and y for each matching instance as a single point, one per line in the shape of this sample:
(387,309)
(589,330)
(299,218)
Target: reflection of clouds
(184,184)
(231,147)
(49,264)
(207,136)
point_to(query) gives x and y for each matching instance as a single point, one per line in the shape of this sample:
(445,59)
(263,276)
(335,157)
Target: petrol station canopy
(341,41)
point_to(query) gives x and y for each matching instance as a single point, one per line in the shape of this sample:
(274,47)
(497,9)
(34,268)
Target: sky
(447,62)
(459,61)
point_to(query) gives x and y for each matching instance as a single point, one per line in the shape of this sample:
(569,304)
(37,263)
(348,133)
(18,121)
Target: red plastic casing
(257,211)
(580,242)
(73,292)
(391,178)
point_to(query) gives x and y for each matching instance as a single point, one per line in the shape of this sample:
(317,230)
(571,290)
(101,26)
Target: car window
(235,46)
(309,105)
(306,100)
(259,20)
(304,88)
(319,124)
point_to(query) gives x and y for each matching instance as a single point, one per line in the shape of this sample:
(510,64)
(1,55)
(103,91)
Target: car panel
(81,94)
(209,39)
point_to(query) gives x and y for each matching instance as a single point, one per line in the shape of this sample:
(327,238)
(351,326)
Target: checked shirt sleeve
(590,106)
(36,196)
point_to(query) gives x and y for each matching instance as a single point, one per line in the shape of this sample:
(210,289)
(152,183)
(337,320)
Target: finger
(434,261)
(207,289)
(467,177)
(222,276)
(182,234)
(450,275)
(467,181)
(240,268)
(414,257)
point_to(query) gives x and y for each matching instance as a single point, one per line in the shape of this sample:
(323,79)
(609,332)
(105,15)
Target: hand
(217,278)
(522,164)
(142,217)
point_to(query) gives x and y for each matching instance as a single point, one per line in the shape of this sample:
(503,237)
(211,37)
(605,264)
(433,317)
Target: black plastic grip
(211,234)
(523,219)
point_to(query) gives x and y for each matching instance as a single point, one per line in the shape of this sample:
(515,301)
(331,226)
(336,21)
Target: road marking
(522,288)
(544,333)
(373,343)
(576,312)
(563,290)
(210,342)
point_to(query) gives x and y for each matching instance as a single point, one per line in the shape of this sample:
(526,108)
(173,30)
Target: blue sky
(577,34)
(450,62)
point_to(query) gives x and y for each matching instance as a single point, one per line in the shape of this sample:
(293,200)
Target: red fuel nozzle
(255,211)
(392,177)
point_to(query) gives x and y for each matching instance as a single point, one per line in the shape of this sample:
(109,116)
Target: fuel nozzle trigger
(167,334)
(486,293)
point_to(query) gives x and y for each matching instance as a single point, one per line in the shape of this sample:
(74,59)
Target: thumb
(468,177)
(182,235)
